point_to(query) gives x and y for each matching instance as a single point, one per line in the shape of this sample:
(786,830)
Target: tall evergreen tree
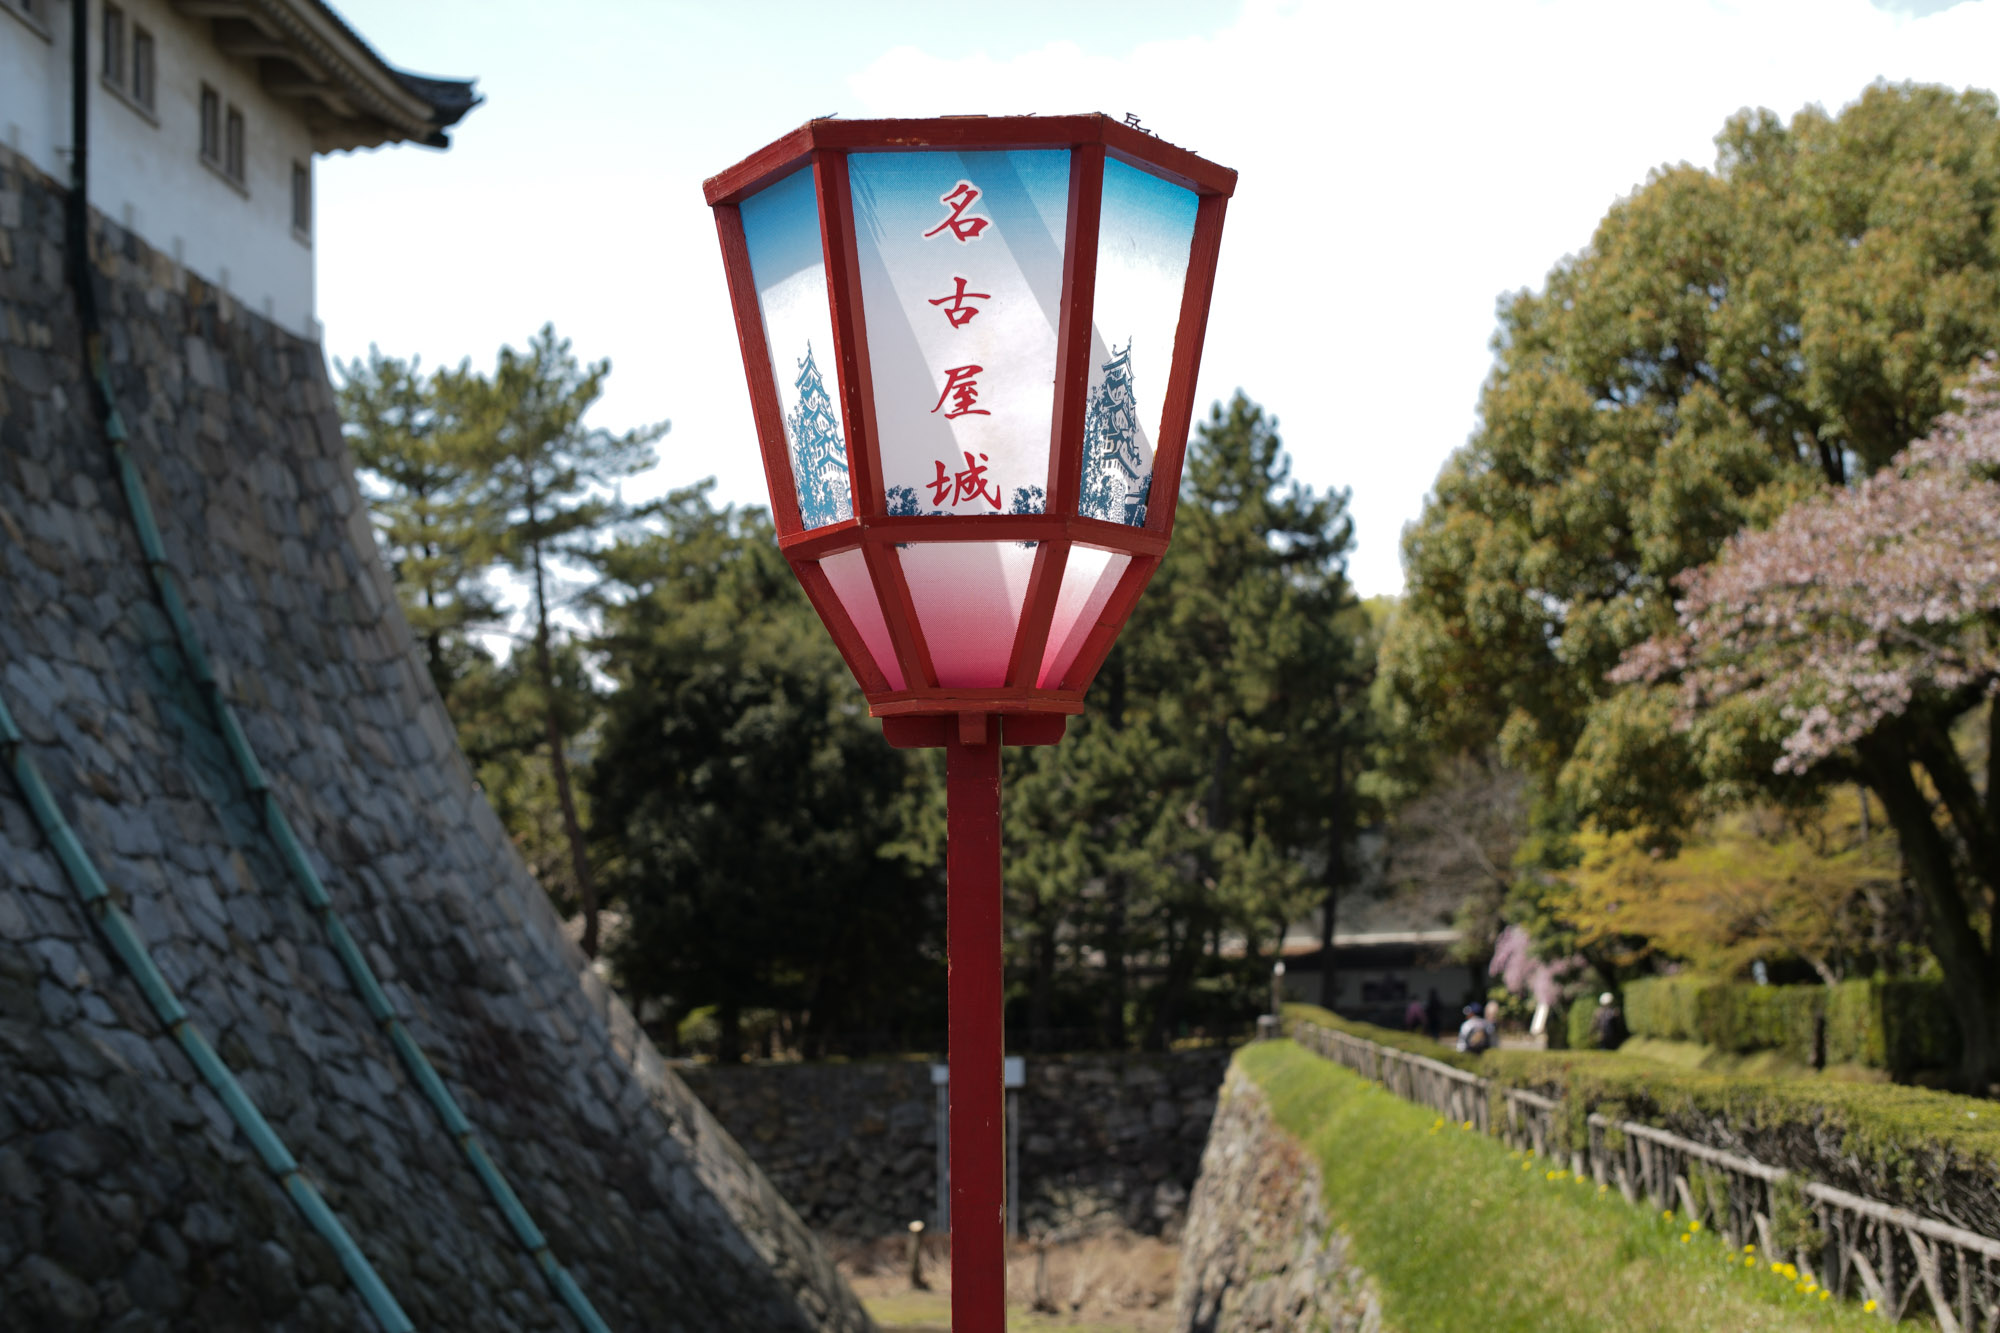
(552,479)
(424,497)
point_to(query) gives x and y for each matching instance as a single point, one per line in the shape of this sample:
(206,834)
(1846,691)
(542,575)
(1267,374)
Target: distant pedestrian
(1475,1036)
(1433,1015)
(1415,1019)
(1607,1025)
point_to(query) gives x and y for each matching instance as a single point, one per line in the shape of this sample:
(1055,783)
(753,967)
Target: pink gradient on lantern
(847,571)
(1089,579)
(968,598)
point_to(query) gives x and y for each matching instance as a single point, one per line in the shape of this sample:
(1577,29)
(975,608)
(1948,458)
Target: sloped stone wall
(127,1199)
(1259,1254)
(1106,1140)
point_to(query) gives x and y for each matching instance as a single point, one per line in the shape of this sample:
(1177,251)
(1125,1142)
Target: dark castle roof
(351,96)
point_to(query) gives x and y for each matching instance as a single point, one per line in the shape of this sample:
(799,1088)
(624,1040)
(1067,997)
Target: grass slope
(1459,1233)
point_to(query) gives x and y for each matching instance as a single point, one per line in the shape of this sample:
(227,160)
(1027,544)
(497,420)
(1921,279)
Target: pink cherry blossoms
(1853,603)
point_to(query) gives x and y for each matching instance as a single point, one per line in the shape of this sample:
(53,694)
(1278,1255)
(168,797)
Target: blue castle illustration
(1116,473)
(819,455)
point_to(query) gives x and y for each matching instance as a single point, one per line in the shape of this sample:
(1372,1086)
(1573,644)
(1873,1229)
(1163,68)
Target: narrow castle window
(142,67)
(302,204)
(211,125)
(114,46)
(232,146)
(34,13)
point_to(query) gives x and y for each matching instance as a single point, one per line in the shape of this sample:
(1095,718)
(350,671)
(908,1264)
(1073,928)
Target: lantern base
(934,731)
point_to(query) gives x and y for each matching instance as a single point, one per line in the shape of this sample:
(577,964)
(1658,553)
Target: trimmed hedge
(1936,1153)
(1898,1025)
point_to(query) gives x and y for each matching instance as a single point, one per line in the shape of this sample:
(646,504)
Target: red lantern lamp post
(971,346)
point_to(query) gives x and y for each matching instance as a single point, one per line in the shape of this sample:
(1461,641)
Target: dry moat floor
(1104,1284)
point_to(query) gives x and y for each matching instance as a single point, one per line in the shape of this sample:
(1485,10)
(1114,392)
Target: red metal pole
(972,929)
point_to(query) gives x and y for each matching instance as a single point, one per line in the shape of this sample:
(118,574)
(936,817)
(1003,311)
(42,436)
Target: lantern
(971,346)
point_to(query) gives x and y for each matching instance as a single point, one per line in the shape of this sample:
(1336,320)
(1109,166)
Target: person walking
(1475,1035)
(1415,1018)
(1607,1025)
(1433,1015)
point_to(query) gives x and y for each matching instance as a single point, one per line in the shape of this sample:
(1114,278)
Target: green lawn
(1460,1233)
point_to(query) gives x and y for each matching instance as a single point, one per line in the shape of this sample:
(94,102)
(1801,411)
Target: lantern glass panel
(1143,244)
(847,571)
(968,598)
(788,268)
(960,258)
(1089,579)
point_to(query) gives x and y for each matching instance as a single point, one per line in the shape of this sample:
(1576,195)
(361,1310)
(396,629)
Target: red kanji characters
(957,311)
(961,386)
(970,483)
(963,228)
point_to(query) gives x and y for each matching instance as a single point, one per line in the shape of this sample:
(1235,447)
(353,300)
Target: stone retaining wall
(128,1200)
(1106,1140)
(1259,1255)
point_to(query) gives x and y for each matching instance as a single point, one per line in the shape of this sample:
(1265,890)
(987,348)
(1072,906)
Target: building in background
(205,117)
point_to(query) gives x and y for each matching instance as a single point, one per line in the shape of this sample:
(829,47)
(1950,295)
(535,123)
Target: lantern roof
(1121,138)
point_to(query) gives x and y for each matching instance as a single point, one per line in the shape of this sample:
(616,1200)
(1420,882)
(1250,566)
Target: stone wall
(1258,1254)
(1106,1140)
(128,1200)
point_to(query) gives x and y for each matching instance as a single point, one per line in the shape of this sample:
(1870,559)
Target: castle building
(204,119)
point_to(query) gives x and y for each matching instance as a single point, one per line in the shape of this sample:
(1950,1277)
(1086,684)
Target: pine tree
(547,473)
(436,535)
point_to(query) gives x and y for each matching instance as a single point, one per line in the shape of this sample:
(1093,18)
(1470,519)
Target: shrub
(1662,1007)
(1898,1025)
(1576,1023)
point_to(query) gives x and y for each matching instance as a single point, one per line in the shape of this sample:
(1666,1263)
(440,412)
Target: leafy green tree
(425,500)
(1729,341)
(1849,642)
(1731,344)
(746,807)
(552,480)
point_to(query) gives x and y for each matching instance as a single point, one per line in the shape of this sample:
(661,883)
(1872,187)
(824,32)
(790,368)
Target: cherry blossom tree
(1858,638)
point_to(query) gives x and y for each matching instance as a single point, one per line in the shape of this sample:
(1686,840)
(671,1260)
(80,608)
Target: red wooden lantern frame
(920,714)
(1030,707)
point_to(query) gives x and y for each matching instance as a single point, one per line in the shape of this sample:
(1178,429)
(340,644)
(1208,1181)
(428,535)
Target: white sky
(1401,167)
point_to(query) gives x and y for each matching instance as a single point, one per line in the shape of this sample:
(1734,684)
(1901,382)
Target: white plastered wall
(149,176)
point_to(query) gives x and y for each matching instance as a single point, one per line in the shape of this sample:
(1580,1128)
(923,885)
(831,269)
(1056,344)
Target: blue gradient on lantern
(1151,219)
(781,229)
(781,223)
(1145,237)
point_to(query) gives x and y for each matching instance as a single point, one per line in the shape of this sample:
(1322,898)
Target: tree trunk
(1114,962)
(1181,958)
(729,1033)
(1969,972)
(1336,877)
(1043,981)
(579,857)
